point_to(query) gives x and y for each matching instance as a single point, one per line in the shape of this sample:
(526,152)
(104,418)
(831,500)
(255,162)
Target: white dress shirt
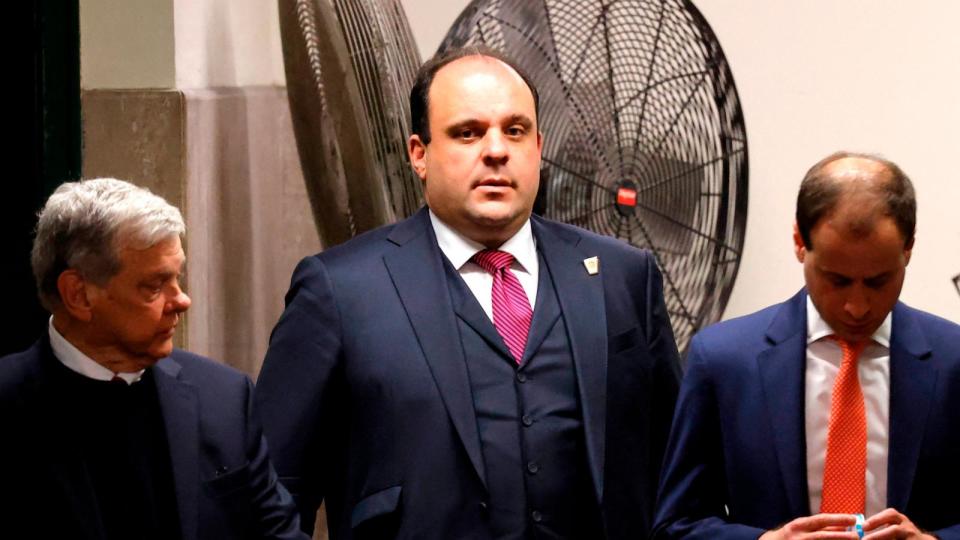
(458,249)
(873,367)
(75,360)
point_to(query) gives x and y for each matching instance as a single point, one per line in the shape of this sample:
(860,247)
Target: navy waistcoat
(529,421)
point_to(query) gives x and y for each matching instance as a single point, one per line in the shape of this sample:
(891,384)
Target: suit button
(483,506)
(536,516)
(521,377)
(533,467)
(527,420)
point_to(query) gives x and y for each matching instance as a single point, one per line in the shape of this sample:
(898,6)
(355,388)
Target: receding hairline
(486,60)
(856,190)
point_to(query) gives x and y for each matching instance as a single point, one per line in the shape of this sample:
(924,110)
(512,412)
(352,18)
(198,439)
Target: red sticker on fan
(627,196)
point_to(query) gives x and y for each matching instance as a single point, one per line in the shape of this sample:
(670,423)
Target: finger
(888,533)
(886,517)
(818,522)
(830,535)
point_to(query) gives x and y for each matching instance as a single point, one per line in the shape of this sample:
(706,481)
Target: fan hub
(626,198)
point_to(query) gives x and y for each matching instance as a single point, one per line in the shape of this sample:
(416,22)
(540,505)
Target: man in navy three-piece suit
(472,371)
(840,401)
(108,432)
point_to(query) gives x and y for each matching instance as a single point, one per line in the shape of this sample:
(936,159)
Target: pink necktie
(511,308)
(845,467)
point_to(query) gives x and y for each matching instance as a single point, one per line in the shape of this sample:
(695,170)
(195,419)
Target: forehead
(477,81)
(841,249)
(163,256)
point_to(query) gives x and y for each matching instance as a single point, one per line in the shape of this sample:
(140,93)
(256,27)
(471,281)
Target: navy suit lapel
(782,370)
(581,302)
(416,268)
(178,404)
(912,381)
(466,306)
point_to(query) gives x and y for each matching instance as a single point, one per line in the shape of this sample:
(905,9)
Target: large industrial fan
(643,131)
(349,66)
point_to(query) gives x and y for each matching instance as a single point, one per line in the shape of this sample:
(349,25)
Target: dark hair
(820,193)
(420,93)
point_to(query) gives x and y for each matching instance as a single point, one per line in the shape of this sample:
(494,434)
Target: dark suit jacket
(225,486)
(366,401)
(736,461)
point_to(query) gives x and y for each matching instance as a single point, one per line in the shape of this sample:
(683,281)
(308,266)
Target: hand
(818,526)
(890,524)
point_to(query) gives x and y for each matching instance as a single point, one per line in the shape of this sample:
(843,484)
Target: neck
(78,334)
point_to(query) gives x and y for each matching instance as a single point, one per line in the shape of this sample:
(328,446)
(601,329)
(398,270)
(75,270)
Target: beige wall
(821,75)
(184,44)
(127,44)
(227,43)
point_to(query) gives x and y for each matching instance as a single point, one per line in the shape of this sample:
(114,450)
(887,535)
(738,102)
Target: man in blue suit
(110,433)
(763,439)
(423,391)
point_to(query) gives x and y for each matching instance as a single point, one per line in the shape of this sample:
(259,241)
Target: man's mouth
(495,183)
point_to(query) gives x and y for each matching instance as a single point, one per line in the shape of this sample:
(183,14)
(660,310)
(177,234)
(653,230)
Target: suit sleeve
(693,485)
(295,391)
(666,374)
(274,512)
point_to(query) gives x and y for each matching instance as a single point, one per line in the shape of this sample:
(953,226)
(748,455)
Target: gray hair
(83,225)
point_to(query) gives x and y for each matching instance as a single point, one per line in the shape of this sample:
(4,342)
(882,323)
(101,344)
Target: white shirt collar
(75,360)
(459,249)
(817,328)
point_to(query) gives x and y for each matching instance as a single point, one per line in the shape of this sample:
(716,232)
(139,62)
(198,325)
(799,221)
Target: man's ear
(74,295)
(907,251)
(417,151)
(799,249)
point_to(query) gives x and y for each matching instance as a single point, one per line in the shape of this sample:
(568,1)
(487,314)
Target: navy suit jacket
(225,486)
(736,462)
(366,399)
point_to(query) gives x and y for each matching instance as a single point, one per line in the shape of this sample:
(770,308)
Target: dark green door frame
(45,144)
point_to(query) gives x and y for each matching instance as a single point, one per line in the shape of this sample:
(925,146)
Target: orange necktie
(845,470)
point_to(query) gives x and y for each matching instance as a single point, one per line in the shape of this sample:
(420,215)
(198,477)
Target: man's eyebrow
(521,119)
(880,276)
(466,122)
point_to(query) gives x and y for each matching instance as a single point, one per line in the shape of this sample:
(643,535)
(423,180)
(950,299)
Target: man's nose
(857,304)
(180,302)
(495,148)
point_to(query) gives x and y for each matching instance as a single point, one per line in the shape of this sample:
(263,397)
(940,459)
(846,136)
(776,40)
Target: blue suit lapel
(581,302)
(178,404)
(782,370)
(416,268)
(912,381)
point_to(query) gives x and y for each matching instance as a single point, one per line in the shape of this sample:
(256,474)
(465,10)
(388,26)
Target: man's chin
(857,333)
(158,352)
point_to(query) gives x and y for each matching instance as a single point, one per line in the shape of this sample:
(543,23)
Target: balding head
(856,190)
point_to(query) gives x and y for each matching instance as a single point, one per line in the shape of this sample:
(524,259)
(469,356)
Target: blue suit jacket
(736,461)
(225,486)
(366,402)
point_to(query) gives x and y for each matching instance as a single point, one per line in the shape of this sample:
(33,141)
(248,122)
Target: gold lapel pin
(592,264)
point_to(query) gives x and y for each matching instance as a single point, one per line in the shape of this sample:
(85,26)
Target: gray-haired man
(108,432)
